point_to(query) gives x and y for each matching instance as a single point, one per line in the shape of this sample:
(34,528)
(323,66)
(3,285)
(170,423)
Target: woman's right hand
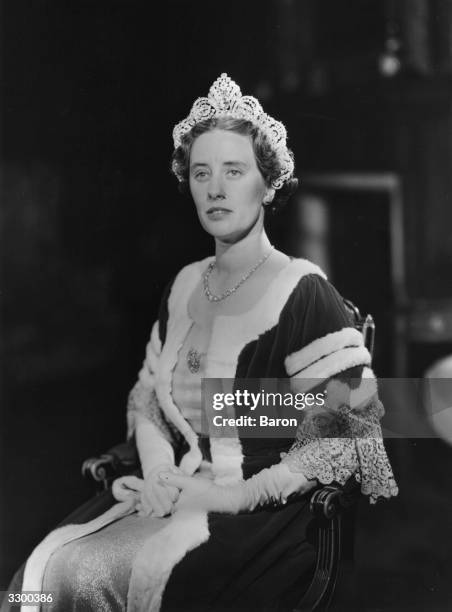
(157,497)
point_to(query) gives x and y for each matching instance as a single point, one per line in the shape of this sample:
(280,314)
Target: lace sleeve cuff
(375,472)
(327,460)
(337,459)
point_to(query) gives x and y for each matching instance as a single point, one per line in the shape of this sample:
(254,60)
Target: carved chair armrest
(119,460)
(332,507)
(329,500)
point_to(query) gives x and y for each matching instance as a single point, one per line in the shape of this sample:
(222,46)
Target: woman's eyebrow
(235,163)
(198,164)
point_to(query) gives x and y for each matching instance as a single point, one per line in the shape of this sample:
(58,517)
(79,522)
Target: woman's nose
(216,189)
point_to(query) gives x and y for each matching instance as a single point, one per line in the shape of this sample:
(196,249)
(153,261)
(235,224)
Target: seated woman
(221,522)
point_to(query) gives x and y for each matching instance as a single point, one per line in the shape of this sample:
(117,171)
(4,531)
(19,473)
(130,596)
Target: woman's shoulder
(178,289)
(299,280)
(186,279)
(301,276)
(312,287)
(314,303)
(308,280)
(193,269)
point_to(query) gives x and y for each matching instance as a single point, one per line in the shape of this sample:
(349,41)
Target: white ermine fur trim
(159,555)
(178,327)
(321,347)
(150,364)
(153,349)
(227,459)
(329,366)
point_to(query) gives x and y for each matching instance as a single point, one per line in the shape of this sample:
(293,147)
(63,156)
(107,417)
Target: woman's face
(226,184)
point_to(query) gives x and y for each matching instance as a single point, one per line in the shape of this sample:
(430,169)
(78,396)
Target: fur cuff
(329,366)
(321,348)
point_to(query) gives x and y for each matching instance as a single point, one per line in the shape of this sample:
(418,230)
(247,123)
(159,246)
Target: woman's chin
(225,235)
(217,229)
(226,232)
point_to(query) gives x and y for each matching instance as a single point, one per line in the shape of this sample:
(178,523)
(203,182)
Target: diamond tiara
(225,100)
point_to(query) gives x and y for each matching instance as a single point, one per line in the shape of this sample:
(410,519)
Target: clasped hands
(166,489)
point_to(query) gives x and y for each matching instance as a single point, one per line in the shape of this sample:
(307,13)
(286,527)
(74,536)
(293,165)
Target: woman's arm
(343,436)
(340,440)
(156,455)
(154,436)
(153,448)
(270,485)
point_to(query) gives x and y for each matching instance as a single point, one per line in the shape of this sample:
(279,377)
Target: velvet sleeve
(340,436)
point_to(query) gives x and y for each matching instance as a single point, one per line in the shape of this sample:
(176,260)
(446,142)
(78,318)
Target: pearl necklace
(217,298)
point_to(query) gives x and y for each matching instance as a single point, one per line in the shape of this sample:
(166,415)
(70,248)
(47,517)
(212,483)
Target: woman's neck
(242,255)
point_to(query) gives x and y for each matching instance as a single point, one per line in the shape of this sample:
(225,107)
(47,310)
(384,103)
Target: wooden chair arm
(329,505)
(119,460)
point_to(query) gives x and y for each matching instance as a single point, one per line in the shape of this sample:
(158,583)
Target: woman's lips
(216,212)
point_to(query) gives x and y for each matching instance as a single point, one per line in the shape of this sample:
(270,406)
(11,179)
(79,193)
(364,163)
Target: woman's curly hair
(266,158)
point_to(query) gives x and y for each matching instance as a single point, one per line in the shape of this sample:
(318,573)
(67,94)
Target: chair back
(366,325)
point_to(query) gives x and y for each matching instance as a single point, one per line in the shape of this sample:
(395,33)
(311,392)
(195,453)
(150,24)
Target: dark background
(92,226)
